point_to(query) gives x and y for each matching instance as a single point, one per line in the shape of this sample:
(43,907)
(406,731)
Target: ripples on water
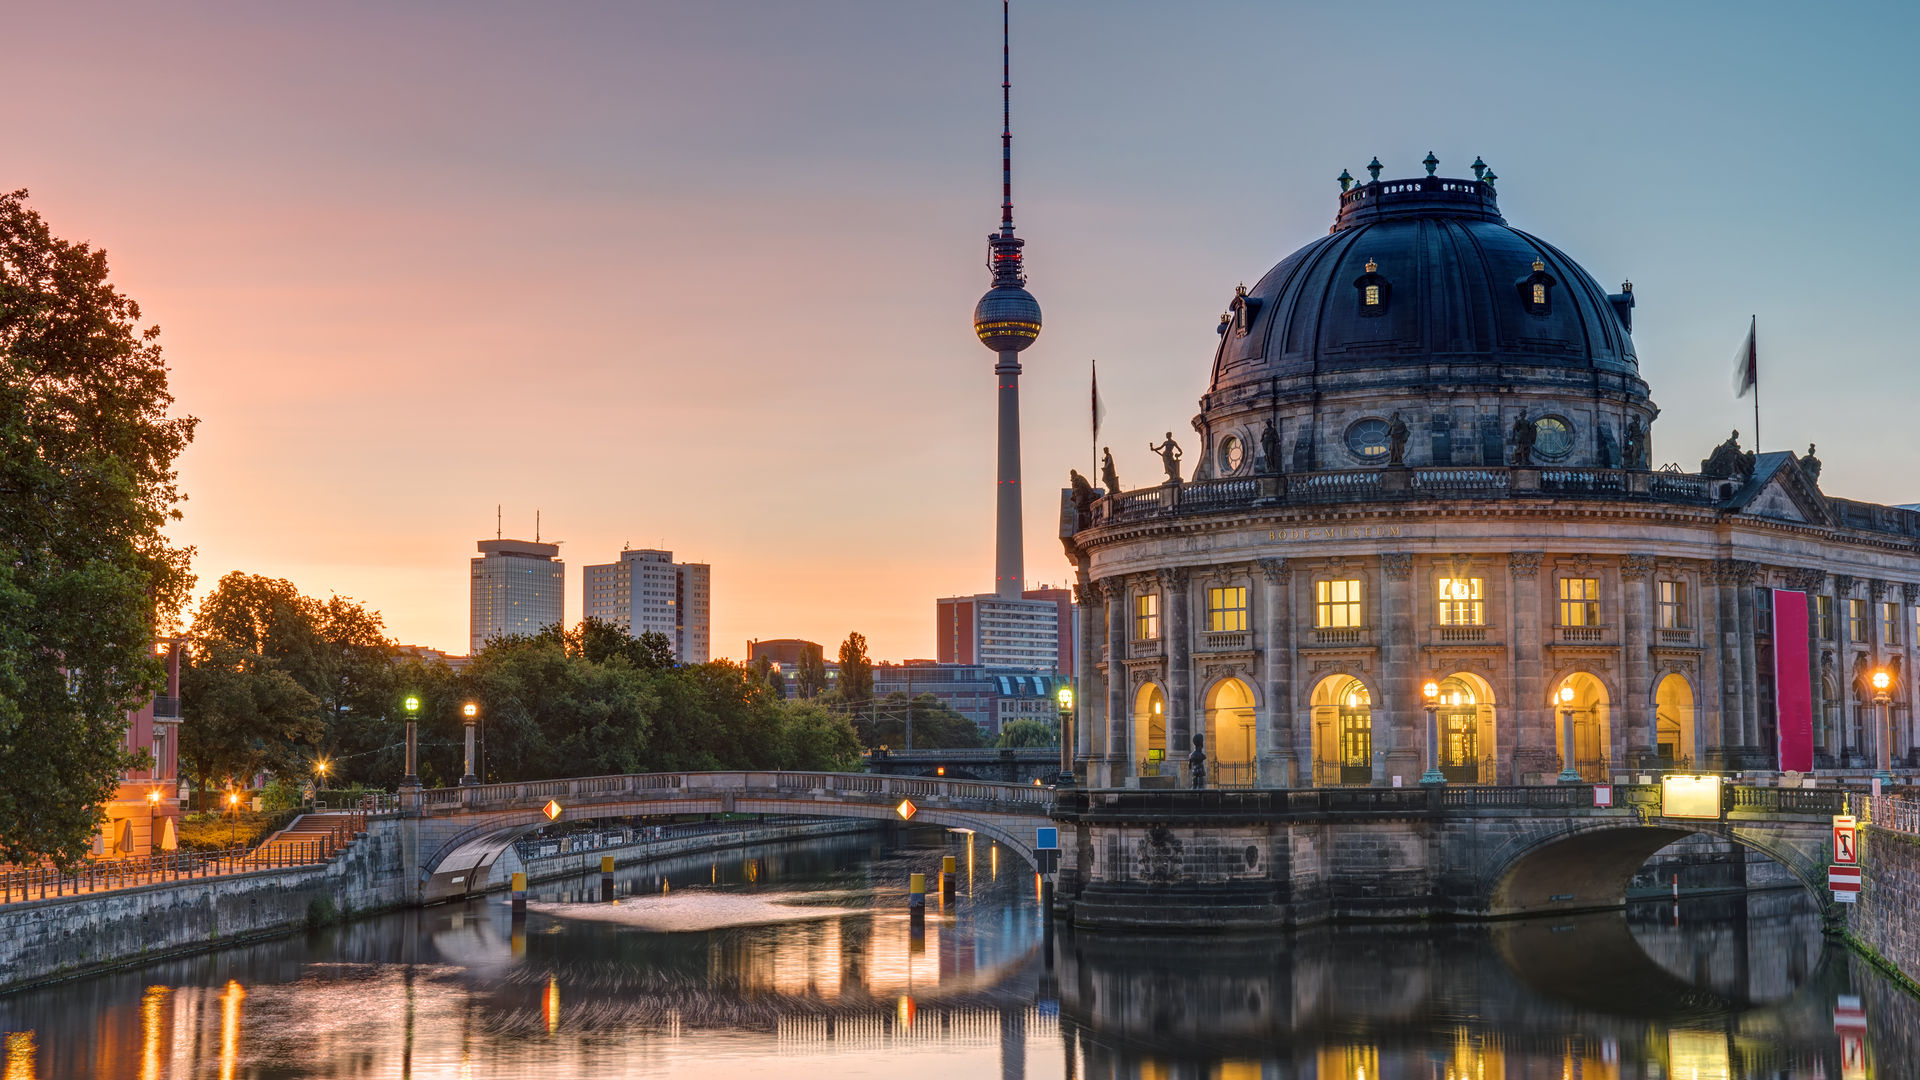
(1732,987)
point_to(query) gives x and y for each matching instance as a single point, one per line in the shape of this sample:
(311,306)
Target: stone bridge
(1009,765)
(1167,860)
(462,831)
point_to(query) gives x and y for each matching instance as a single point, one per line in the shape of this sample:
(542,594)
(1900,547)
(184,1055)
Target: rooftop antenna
(496,521)
(536,525)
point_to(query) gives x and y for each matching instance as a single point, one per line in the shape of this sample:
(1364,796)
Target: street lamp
(1430,695)
(471,712)
(1065,697)
(233,818)
(412,778)
(1882,683)
(1568,775)
(319,780)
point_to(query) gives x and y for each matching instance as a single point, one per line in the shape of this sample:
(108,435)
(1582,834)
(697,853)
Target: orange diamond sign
(552,809)
(906,809)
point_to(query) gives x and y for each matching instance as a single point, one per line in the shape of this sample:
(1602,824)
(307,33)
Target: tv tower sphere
(1007,318)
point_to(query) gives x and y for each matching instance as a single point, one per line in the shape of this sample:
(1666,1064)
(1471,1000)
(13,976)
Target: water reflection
(1732,987)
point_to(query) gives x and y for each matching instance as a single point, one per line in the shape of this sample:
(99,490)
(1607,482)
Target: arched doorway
(1673,722)
(1149,730)
(1342,731)
(1586,709)
(1230,733)
(1465,728)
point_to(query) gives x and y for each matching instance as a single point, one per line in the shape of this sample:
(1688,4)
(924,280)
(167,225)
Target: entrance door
(1460,746)
(1356,745)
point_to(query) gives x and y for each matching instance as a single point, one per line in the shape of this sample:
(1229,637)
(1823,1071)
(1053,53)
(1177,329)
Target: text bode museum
(1424,533)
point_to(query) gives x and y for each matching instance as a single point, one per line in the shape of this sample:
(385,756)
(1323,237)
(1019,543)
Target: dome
(1007,319)
(1419,280)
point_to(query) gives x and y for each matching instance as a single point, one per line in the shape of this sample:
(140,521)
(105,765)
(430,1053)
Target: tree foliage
(1020,733)
(86,576)
(856,671)
(935,724)
(810,681)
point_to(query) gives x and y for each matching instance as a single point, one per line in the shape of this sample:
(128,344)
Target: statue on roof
(1633,452)
(1810,464)
(1523,434)
(1396,440)
(1728,461)
(1108,476)
(1083,496)
(1270,450)
(1169,452)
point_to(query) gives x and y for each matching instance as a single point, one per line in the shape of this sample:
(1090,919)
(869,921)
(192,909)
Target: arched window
(1536,290)
(1375,291)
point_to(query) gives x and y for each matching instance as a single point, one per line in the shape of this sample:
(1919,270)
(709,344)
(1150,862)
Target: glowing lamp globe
(1007,319)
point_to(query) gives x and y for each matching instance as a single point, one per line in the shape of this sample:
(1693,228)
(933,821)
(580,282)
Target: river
(801,960)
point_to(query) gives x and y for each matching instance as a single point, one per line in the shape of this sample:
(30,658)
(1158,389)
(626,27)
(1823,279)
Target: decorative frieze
(1524,564)
(1275,571)
(1396,565)
(1636,567)
(1806,579)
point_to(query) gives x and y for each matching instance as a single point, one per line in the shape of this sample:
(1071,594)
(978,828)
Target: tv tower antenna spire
(1007,320)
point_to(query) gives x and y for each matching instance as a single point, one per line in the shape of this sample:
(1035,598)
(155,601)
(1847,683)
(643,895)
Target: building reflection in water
(1740,988)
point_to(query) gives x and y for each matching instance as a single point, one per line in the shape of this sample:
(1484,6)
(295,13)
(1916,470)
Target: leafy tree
(1018,733)
(935,724)
(86,576)
(810,681)
(598,641)
(247,716)
(856,671)
(552,713)
(816,739)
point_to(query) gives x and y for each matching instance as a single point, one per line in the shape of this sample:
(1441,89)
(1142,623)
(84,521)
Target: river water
(801,961)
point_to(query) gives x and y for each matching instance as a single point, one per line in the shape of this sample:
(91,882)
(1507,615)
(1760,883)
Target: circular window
(1552,437)
(1368,439)
(1232,452)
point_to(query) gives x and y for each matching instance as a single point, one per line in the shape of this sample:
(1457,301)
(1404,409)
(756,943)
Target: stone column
(1179,635)
(1733,677)
(1119,755)
(1531,738)
(1399,681)
(1090,695)
(1876,725)
(1637,731)
(1277,726)
(1709,696)
(1846,752)
(1746,577)
(1909,595)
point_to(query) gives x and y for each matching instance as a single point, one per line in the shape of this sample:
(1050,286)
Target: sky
(699,275)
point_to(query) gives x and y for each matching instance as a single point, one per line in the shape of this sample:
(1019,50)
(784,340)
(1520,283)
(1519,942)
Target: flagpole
(1753,332)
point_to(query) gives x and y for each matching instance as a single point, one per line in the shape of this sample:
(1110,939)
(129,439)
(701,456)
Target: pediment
(1782,491)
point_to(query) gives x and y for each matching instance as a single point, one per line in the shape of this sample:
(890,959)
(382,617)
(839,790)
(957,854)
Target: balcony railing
(1226,641)
(1582,635)
(166,708)
(1339,635)
(1145,648)
(1456,635)
(1676,636)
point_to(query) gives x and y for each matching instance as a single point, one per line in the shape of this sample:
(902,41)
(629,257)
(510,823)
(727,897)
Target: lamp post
(319,780)
(1883,733)
(1568,775)
(1430,700)
(233,818)
(1065,697)
(412,778)
(471,712)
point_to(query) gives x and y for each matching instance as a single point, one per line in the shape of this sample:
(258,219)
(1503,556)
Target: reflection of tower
(1007,319)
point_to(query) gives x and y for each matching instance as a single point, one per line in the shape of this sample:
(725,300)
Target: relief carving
(1396,565)
(1910,593)
(1636,567)
(1876,589)
(1524,564)
(1159,855)
(1843,585)
(1275,570)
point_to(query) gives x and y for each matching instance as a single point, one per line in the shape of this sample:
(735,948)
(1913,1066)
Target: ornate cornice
(1523,564)
(1806,579)
(1735,572)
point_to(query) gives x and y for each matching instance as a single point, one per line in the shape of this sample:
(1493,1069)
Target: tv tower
(1007,320)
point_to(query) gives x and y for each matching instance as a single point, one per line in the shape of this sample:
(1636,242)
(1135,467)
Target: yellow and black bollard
(606,879)
(949,871)
(520,895)
(917,913)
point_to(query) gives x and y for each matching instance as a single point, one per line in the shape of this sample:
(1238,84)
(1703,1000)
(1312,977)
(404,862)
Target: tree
(815,739)
(936,725)
(248,716)
(86,575)
(598,641)
(1019,733)
(810,680)
(856,671)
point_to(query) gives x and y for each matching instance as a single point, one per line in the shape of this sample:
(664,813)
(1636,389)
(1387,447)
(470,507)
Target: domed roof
(1418,273)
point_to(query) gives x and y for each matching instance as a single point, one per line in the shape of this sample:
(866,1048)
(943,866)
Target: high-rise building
(647,591)
(991,697)
(999,631)
(519,587)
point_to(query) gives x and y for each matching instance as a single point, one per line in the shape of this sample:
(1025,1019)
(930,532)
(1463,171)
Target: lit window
(1540,294)
(1336,603)
(1856,620)
(1146,617)
(1373,296)
(1579,601)
(1673,605)
(1461,602)
(1890,624)
(1227,609)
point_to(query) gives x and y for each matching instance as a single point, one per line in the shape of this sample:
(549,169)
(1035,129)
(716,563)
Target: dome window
(1552,437)
(1367,439)
(1536,290)
(1375,291)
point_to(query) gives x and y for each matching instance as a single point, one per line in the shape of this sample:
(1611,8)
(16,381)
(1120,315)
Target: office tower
(519,587)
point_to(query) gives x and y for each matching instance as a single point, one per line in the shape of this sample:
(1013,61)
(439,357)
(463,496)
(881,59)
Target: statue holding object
(1169,452)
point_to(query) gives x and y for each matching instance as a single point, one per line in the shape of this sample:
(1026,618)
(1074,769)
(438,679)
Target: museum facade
(1425,532)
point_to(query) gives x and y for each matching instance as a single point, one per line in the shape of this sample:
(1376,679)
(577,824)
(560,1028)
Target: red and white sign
(1845,834)
(1603,794)
(1845,883)
(1847,1014)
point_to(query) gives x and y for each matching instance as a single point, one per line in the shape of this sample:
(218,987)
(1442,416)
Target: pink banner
(1792,690)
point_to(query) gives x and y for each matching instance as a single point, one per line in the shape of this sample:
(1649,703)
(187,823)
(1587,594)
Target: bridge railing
(1026,798)
(1786,800)
(1894,813)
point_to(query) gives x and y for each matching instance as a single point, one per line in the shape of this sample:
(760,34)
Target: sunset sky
(699,275)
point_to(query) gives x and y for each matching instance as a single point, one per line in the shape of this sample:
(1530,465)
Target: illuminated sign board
(1690,796)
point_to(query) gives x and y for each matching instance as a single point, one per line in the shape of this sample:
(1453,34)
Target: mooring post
(949,870)
(520,895)
(606,879)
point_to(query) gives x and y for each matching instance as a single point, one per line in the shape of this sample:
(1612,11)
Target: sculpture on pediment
(1728,461)
(1810,464)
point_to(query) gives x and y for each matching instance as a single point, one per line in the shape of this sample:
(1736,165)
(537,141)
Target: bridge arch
(1588,863)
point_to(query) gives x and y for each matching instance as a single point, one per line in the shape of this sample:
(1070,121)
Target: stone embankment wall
(60,937)
(572,864)
(1886,920)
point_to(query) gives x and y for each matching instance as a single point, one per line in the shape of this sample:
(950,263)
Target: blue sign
(1047,839)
